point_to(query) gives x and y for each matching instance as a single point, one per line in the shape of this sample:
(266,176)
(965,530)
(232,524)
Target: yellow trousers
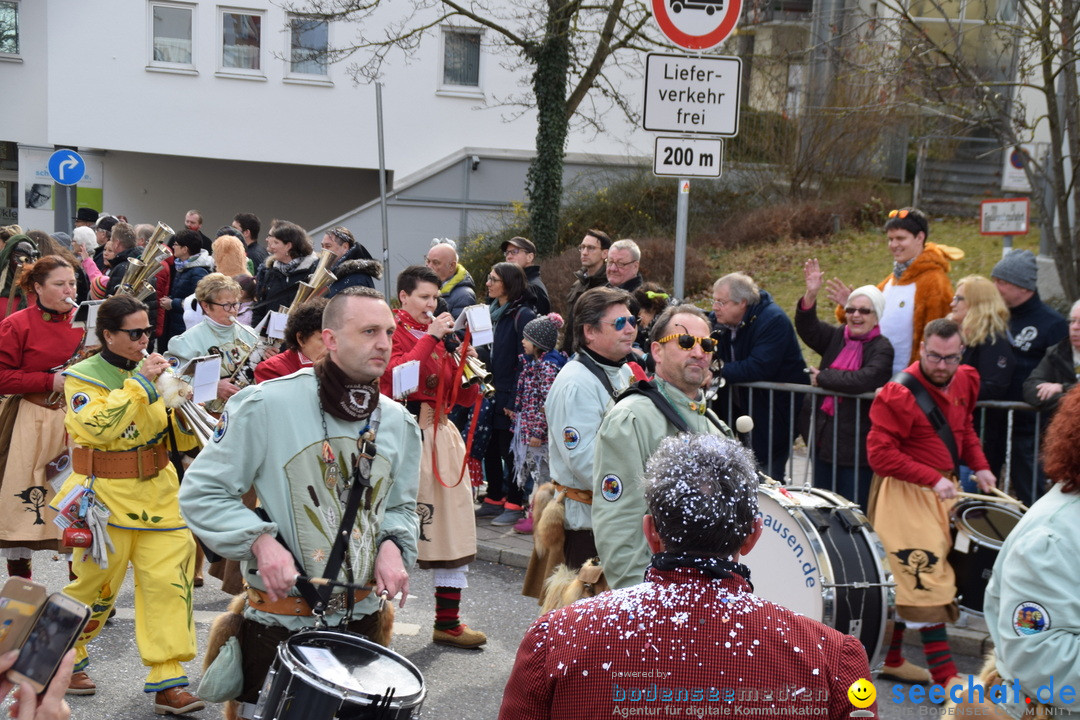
(164,562)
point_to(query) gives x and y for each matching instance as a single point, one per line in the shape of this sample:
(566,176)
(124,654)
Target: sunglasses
(620,323)
(859,311)
(687,342)
(136,333)
(898,214)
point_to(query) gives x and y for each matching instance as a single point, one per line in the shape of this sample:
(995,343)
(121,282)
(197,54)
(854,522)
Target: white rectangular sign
(685,94)
(1004,217)
(688,157)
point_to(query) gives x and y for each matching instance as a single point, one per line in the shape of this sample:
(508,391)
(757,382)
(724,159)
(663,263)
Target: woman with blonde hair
(984,324)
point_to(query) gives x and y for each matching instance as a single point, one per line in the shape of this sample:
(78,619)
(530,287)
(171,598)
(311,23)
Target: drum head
(987,522)
(355,667)
(784,565)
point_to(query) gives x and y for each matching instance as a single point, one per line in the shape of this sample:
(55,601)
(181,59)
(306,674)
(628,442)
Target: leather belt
(144,462)
(581,496)
(296,605)
(42,399)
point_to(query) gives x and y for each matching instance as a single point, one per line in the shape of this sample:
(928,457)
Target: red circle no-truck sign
(701,24)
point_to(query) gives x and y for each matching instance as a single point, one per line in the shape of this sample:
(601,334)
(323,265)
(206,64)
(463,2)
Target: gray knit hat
(543,332)
(1018,268)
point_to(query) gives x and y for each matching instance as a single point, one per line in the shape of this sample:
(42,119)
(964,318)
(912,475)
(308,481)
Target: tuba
(136,281)
(320,282)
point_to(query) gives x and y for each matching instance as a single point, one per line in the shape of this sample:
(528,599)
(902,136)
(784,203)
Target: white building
(179,105)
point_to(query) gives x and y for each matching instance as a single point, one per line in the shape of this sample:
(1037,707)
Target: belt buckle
(336,603)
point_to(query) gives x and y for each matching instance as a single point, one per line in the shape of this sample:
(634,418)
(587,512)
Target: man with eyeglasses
(757,343)
(915,456)
(673,402)
(521,251)
(623,266)
(584,390)
(593,273)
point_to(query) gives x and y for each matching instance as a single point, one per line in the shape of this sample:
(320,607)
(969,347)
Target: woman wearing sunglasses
(122,434)
(33,343)
(916,291)
(855,358)
(507,286)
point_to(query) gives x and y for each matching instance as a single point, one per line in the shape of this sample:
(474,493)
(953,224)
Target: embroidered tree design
(34,496)
(916,562)
(426,512)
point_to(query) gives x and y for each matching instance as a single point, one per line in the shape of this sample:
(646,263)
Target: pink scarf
(850,358)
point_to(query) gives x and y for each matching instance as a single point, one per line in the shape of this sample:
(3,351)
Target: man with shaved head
(458,288)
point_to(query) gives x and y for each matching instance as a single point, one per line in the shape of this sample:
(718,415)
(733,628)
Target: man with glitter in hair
(692,639)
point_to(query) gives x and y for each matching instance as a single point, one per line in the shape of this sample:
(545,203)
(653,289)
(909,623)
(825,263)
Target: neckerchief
(289,266)
(117,361)
(850,358)
(712,565)
(342,398)
(899,268)
(409,321)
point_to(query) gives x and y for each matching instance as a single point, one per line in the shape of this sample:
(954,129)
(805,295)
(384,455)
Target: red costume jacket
(902,442)
(282,364)
(681,639)
(30,346)
(412,343)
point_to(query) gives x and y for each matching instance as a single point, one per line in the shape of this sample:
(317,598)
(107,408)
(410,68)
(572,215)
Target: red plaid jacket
(686,642)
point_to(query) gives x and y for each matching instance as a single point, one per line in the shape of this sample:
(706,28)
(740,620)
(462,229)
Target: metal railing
(799,470)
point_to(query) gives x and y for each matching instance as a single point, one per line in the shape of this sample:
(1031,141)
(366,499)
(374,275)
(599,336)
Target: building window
(241,40)
(171,33)
(9,27)
(309,41)
(461,58)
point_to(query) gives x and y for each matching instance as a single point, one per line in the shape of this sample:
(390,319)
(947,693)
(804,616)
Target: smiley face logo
(862,693)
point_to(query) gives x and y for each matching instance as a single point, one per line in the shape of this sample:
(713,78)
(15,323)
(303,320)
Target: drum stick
(1007,498)
(980,496)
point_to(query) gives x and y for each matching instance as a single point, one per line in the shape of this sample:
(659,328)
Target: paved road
(462,684)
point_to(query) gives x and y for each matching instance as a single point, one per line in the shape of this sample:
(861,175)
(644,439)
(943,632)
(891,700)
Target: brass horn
(174,391)
(136,281)
(320,281)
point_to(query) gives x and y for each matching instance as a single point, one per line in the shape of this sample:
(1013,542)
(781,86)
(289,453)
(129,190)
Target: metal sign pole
(682,209)
(382,196)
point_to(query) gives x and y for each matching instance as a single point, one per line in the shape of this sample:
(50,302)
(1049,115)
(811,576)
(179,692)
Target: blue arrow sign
(66,167)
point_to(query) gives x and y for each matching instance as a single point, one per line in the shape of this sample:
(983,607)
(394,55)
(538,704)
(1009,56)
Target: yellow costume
(112,410)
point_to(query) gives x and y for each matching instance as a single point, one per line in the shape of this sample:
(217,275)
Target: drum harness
(933,414)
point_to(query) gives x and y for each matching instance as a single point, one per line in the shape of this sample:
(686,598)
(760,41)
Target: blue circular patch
(1030,618)
(570,437)
(611,488)
(79,400)
(221,427)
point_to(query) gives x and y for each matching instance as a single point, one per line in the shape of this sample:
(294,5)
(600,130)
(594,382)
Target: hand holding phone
(30,706)
(54,632)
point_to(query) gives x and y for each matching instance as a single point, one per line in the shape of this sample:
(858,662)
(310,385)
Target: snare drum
(819,556)
(321,674)
(979,527)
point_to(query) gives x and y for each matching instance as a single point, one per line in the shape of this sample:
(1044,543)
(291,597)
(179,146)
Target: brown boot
(81,684)
(177,701)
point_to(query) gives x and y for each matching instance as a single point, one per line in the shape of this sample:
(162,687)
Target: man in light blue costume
(633,429)
(296,440)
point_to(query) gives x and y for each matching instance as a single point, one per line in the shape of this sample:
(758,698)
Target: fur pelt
(230,258)
(566,586)
(549,513)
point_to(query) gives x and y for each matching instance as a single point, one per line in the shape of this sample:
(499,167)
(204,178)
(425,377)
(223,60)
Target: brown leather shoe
(177,701)
(81,684)
(463,637)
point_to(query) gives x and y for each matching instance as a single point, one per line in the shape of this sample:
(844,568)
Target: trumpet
(321,279)
(174,391)
(474,372)
(136,281)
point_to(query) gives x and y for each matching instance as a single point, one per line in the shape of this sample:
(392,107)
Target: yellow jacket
(113,409)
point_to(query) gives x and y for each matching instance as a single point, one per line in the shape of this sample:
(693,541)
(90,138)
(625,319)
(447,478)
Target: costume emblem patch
(917,562)
(174,362)
(611,488)
(570,437)
(221,427)
(79,400)
(1030,618)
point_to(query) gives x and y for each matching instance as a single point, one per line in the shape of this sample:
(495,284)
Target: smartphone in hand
(20,600)
(54,632)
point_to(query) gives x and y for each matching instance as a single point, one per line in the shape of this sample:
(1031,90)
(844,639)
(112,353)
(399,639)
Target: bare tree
(1009,68)
(571,47)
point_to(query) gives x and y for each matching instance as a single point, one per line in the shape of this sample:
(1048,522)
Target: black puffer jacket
(355,268)
(1056,367)
(275,288)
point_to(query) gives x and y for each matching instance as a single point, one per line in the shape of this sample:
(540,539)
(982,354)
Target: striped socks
(938,655)
(447,602)
(895,657)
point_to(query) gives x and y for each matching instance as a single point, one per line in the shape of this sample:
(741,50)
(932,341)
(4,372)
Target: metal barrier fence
(1017,473)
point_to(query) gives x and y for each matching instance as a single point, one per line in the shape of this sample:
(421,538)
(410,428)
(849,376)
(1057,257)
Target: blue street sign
(66,167)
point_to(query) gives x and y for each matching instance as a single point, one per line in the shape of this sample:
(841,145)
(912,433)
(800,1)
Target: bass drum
(322,674)
(819,556)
